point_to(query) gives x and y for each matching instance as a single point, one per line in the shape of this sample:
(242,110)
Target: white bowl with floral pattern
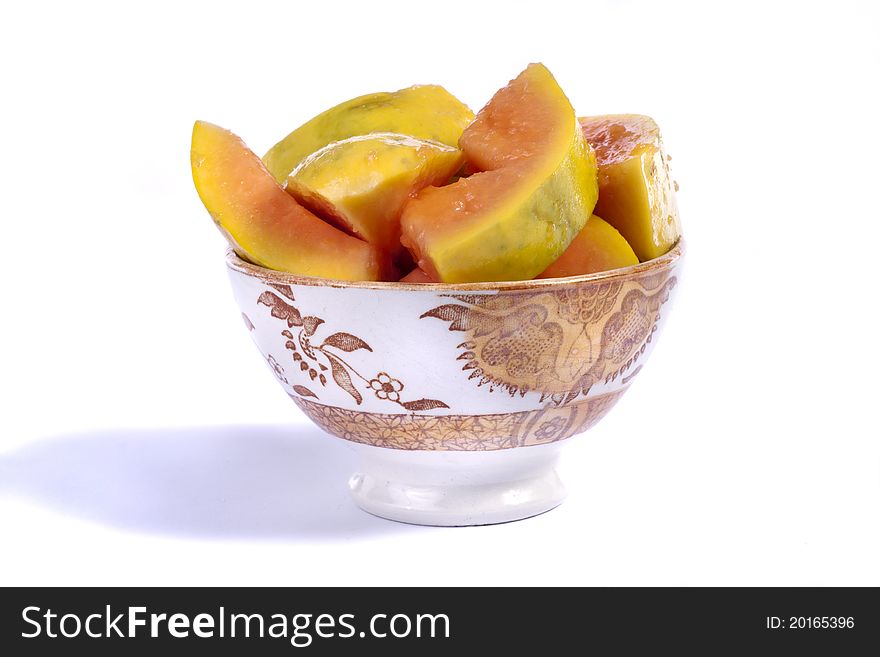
(458,398)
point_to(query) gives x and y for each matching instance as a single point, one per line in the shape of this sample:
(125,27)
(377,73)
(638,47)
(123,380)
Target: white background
(143,441)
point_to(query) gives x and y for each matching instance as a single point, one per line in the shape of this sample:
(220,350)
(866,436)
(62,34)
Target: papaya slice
(423,111)
(418,276)
(598,247)
(264,223)
(534,190)
(636,191)
(361,183)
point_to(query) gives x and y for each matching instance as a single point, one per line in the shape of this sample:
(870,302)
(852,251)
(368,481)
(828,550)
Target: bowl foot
(457,488)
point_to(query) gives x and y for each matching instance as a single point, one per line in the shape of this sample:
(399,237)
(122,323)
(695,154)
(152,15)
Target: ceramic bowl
(459,397)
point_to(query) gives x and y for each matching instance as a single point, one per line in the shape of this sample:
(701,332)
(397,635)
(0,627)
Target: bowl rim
(236,263)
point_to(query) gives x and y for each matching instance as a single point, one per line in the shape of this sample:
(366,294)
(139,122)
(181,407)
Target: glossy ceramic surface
(438,370)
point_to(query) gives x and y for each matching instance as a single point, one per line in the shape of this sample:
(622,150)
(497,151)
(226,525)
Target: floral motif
(386,387)
(316,356)
(460,432)
(550,428)
(303,391)
(576,307)
(559,343)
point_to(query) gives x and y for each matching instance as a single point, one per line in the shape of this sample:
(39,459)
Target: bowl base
(453,489)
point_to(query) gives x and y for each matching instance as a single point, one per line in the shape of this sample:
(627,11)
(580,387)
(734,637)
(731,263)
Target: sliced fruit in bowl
(362,183)
(264,223)
(636,190)
(422,111)
(457,395)
(598,247)
(534,190)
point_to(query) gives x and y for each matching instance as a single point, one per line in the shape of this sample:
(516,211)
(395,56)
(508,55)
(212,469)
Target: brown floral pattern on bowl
(559,343)
(481,366)
(460,432)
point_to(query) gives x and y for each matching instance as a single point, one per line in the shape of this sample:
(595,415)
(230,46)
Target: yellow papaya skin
(535,188)
(362,183)
(422,111)
(636,190)
(264,223)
